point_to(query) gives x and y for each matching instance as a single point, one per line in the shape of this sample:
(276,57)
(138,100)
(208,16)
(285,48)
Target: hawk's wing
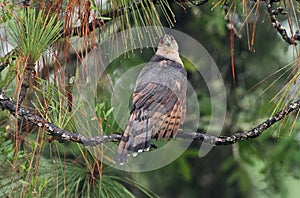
(158,108)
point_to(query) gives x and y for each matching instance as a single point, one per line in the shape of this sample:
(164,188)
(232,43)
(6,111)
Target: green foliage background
(262,167)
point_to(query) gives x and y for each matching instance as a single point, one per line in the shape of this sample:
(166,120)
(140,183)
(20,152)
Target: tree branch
(17,110)
(276,24)
(63,135)
(242,136)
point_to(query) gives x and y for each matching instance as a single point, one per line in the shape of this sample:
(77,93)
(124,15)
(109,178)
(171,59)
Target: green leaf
(32,33)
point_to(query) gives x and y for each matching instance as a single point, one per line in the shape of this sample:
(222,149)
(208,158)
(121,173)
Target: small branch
(242,136)
(276,24)
(7,58)
(63,135)
(29,68)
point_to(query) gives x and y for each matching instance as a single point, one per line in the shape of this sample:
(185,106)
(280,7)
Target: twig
(231,19)
(10,56)
(276,24)
(242,136)
(63,135)
(7,58)
(29,68)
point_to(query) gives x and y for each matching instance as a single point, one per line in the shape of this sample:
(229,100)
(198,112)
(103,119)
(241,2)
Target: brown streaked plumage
(158,104)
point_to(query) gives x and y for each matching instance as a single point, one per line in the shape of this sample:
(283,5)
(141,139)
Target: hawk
(159,101)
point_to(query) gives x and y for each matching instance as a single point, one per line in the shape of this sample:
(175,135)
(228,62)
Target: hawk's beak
(168,40)
(168,44)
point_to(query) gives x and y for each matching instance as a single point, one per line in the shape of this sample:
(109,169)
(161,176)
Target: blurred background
(263,81)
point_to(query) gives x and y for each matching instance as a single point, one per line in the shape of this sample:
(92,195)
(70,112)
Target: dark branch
(29,68)
(276,24)
(239,137)
(63,135)
(10,105)
(7,59)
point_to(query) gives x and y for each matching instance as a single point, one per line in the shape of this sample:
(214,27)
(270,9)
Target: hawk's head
(168,48)
(168,44)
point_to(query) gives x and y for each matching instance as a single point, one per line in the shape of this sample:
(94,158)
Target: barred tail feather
(121,153)
(138,140)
